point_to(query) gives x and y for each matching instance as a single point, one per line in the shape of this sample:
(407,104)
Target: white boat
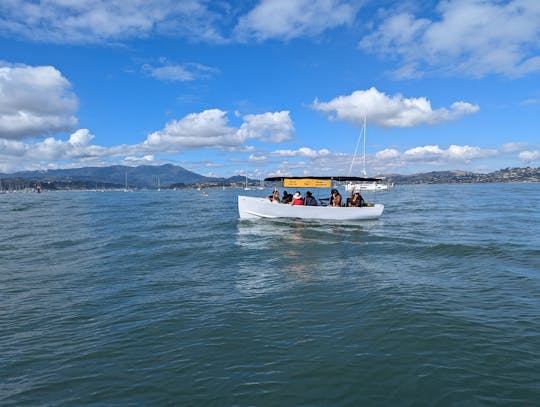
(373,185)
(255,207)
(246,187)
(126,184)
(368,186)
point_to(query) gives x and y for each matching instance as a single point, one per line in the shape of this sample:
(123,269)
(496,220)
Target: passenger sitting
(287,198)
(275,195)
(335,200)
(297,199)
(310,201)
(355,200)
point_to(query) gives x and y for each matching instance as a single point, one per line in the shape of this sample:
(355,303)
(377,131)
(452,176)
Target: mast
(362,133)
(364,163)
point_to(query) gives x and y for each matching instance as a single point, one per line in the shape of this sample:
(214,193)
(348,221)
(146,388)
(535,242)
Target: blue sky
(270,87)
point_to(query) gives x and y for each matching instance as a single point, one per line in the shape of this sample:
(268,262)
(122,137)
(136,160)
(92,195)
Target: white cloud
(302,152)
(390,111)
(206,129)
(137,160)
(387,154)
(34,101)
(529,156)
(179,72)
(96,21)
(210,129)
(256,158)
(453,153)
(275,127)
(287,19)
(512,147)
(471,37)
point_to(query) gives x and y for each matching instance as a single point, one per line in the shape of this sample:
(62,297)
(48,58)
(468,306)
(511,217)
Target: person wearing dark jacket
(310,200)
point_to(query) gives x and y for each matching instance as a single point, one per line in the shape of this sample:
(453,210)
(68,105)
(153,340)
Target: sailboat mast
(362,132)
(364,163)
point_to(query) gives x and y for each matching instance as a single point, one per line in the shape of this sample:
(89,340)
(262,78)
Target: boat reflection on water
(273,254)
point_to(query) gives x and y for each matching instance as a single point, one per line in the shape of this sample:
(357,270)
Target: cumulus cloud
(529,156)
(390,111)
(210,129)
(34,101)
(452,154)
(98,21)
(466,37)
(286,19)
(275,127)
(15,154)
(206,129)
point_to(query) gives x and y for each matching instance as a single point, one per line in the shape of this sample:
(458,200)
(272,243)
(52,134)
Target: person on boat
(310,200)
(275,196)
(297,199)
(287,198)
(335,200)
(356,200)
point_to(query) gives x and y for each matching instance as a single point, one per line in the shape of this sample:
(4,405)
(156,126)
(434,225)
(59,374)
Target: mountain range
(171,176)
(117,176)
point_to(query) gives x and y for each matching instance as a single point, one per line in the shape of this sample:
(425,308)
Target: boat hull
(256,208)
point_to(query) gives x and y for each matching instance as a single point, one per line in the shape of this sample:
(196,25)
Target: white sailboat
(376,185)
(126,184)
(158,186)
(246,187)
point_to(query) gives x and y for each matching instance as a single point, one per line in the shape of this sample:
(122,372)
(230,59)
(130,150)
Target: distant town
(174,177)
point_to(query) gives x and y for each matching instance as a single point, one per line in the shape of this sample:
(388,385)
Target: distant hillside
(461,177)
(144,176)
(172,176)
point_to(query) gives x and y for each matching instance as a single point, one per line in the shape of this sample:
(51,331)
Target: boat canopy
(316,182)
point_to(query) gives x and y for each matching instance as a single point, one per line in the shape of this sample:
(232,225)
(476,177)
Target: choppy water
(166,298)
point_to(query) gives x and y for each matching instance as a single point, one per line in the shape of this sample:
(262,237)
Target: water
(166,298)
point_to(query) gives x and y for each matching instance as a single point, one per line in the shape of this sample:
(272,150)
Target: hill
(144,176)
(526,174)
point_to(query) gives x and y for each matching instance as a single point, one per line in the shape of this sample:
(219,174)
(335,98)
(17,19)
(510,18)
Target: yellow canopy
(306,183)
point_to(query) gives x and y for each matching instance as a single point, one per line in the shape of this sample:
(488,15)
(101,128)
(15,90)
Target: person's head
(297,195)
(308,193)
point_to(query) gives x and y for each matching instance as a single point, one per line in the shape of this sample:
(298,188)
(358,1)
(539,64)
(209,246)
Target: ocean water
(166,298)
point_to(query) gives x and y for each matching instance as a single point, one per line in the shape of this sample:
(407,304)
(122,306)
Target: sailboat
(126,184)
(158,186)
(376,185)
(246,187)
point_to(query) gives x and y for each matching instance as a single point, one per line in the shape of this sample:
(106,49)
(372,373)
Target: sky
(270,87)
